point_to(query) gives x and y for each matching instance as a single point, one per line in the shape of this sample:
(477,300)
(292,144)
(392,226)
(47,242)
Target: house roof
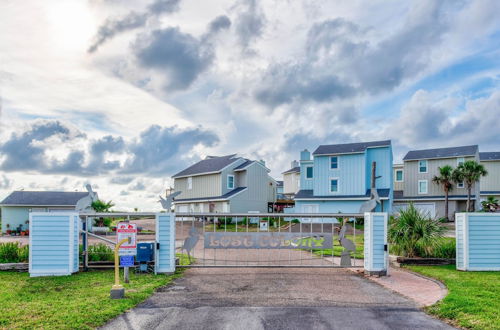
(348,148)
(442,153)
(208,165)
(44,198)
(226,196)
(244,165)
(485,156)
(293,170)
(308,194)
(279,183)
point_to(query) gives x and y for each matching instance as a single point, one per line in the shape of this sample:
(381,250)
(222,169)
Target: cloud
(51,147)
(219,23)
(132,20)
(5,182)
(426,121)
(342,60)
(138,186)
(121,180)
(162,150)
(250,23)
(25,151)
(180,56)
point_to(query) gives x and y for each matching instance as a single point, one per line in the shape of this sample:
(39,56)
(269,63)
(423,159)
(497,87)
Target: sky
(124,94)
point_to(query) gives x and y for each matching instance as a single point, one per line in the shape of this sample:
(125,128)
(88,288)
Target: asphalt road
(259,298)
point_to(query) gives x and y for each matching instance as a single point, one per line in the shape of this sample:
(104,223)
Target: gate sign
(126,230)
(283,240)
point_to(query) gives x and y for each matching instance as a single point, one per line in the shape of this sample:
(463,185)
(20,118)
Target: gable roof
(224,197)
(485,156)
(44,198)
(442,153)
(244,165)
(208,165)
(348,148)
(296,169)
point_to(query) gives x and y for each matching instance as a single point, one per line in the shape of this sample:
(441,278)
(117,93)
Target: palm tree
(469,173)
(490,204)
(413,233)
(445,180)
(102,207)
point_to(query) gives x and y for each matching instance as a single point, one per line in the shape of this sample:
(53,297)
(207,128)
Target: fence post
(53,243)
(376,249)
(165,243)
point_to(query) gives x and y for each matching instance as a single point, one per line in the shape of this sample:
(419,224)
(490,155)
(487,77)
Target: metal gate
(270,239)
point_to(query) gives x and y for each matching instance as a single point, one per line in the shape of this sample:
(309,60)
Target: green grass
(79,301)
(473,300)
(337,249)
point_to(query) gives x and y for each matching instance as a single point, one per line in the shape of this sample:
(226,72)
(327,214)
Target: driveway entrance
(275,298)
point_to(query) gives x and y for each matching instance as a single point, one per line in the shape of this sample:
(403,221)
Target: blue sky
(123,94)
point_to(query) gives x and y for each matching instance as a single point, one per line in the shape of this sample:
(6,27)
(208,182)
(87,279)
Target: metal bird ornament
(84,204)
(167,203)
(348,245)
(191,241)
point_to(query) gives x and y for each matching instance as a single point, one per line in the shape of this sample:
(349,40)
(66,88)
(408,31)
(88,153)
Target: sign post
(126,249)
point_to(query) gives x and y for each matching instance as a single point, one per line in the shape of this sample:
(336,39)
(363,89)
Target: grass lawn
(79,301)
(473,300)
(337,249)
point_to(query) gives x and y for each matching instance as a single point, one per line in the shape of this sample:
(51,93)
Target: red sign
(127,230)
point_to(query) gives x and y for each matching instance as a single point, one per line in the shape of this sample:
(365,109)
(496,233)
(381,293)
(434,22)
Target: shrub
(13,252)
(445,248)
(413,233)
(100,252)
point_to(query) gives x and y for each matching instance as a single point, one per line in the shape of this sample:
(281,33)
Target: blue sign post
(127,261)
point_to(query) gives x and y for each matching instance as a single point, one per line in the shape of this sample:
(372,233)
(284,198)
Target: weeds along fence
(13,252)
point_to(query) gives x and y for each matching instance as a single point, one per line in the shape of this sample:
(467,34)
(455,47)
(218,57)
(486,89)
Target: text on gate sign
(219,240)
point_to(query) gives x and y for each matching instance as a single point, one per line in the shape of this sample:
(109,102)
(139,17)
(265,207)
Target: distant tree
(102,207)
(469,173)
(445,180)
(490,204)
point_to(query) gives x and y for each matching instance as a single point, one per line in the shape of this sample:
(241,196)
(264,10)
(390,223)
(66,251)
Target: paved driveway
(274,298)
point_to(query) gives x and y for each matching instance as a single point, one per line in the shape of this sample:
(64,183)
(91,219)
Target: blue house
(338,177)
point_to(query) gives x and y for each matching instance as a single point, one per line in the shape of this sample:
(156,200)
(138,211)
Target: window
(334,185)
(309,172)
(460,161)
(460,185)
(334,162)
(422,186)
(399,176)
(230,182)
(422,166)
(190,183)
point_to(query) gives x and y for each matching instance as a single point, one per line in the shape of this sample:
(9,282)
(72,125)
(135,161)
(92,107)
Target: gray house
(17,206)
(413,180)
(490,184)
(225,184)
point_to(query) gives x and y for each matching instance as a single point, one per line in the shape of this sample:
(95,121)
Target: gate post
(165,243)
(53,243)
(376,250)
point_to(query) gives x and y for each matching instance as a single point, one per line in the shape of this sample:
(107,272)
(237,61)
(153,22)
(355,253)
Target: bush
(100,252)
(414,234)
(445,248)
(13,252)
